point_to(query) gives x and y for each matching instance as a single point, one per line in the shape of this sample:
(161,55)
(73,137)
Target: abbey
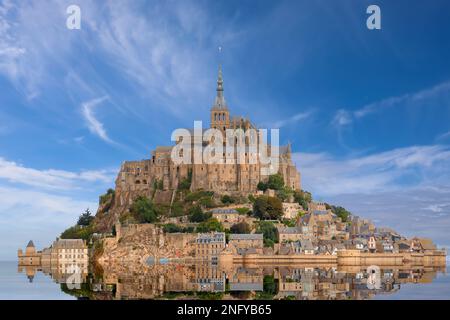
(160,172)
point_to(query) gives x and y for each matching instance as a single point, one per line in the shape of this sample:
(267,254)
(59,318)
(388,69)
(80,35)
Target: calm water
(210,282)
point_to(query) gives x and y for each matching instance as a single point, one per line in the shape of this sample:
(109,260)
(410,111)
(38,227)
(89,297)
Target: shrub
(269,231)
(144,210)
(77,232)
(302,198)
(172,228)
(226,199)
(212,224)
(240,228)
(268,208)
(243,210)
(262,186)
(196,214)
(275,182)
(108,196)
(177,209)
(341,213)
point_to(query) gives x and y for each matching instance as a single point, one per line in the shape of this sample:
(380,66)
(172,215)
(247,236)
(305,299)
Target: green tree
(268,208)
(172,228)
(226,199)
(269,231)
(302,198)
(262,186)
(284,193)
(196,214)
(109,195)
(212,224)
(77,232)
(276,182)
(85,218)
(144,210)
(341,213)
(185,184)
(240,228)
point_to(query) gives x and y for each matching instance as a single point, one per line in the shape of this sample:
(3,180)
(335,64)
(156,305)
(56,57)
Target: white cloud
(439,94)
(394,169)
(40,204)
(36,215)
(291,120)
(15,173)
(95,126)
(443,136)
(342,118)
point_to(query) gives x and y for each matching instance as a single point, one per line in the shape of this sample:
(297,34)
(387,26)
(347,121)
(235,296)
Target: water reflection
(209,281)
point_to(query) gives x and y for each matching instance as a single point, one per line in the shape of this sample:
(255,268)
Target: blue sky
(367,111)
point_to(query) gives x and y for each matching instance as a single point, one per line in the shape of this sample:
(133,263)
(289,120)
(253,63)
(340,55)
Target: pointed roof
(30,244)
(219,102)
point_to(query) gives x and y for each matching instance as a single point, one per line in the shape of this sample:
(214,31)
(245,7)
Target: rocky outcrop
(138,242)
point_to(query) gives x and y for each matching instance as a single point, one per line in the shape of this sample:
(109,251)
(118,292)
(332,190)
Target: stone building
(70,255)
(226,215)
(30,256)
(240,177)
(286,234)
(245,241)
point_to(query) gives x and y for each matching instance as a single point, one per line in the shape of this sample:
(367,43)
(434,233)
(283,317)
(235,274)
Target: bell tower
(220,116)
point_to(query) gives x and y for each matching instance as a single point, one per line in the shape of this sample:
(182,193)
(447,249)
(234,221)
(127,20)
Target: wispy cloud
(291,120)
(15,173)
(390,170)
(39,204)
(94,125)
(439,94)
(443,136)
(37,215)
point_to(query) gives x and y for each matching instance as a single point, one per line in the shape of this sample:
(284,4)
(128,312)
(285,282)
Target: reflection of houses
(65,259)
(209,245)
(372,244)
(209,278)
(69,255)
(422,245)
(246,279)
(403,246)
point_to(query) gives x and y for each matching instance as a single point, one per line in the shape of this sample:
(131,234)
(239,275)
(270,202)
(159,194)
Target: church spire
(220,99)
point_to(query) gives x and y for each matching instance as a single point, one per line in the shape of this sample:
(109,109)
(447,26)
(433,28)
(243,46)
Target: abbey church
(240,178)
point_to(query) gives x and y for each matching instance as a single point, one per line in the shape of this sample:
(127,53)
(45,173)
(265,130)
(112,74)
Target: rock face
(138,242)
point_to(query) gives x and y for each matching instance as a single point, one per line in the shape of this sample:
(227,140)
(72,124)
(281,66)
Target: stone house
(226,215)
(286,234)
(245,241)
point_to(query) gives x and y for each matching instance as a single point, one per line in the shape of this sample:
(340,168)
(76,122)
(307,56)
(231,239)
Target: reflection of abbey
(240,177)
